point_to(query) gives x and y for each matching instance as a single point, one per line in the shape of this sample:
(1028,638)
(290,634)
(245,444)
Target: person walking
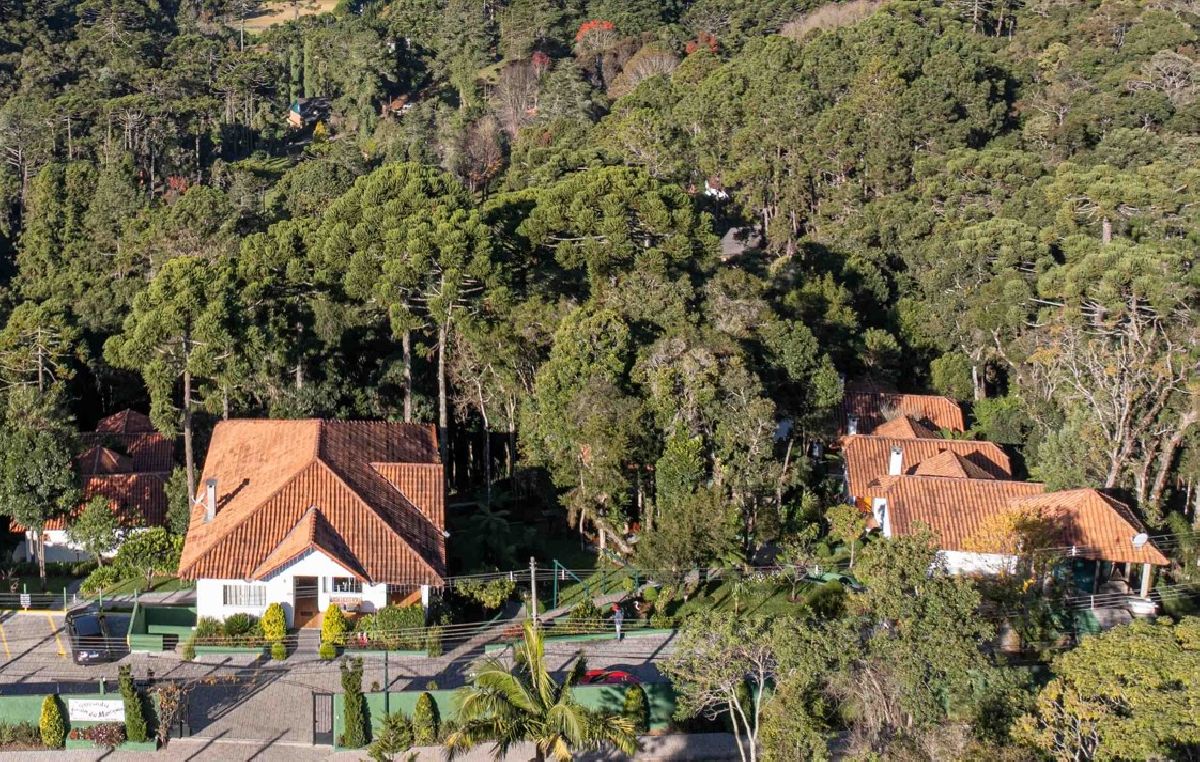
(618,618)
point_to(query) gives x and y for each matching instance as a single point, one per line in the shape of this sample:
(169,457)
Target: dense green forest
(624,253)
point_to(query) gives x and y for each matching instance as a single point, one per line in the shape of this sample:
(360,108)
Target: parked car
(608,677)
(92,641)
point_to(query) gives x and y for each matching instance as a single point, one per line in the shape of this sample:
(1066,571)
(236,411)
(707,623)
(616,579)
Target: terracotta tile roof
(1098,525)
(137,499)
(866,458)
(955,509)
(871,408)
(959,512)
(270,473)
(98,459)
(905,427)
(314,532)
(126,422)
(950,465)
(148,452)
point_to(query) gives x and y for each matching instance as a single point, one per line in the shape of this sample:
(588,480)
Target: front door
(307,609)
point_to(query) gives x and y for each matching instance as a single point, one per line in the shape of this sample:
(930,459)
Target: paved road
(711,747)
(245,704)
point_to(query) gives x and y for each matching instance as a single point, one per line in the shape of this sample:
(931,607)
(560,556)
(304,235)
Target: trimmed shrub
(189,649)
(584,617)
(650,594)
(327,651)
(240,624)
(425,721)
(395,737)
(135,717)
(354,706)
(51,725)
(433,642)
(334,626)
(491,594)
(274,623)
(208,628)
(279,651)
(100,579)
(661,621)
(636,708)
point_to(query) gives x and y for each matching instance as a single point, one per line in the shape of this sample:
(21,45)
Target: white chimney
(852,425)
(896,461)
(210,499)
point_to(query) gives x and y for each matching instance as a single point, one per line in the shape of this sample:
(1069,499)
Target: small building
(866,407)
(306,112)
(127,461)
(312,513)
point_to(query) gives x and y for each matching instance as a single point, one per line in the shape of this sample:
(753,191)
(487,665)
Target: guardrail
(41,601)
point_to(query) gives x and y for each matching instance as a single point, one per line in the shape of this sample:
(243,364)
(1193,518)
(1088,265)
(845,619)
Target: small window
(246,595)
(346,585)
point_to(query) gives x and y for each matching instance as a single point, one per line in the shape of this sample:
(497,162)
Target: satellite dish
(1139,540)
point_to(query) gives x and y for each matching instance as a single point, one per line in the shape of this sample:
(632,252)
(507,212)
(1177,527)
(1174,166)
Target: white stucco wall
(280,588)
(961,562)
(59,549)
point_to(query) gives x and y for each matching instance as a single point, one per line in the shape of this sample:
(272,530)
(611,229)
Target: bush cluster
(106,735)
(16,735)
(236,630)
(636,708)
(393,628)
(334,626)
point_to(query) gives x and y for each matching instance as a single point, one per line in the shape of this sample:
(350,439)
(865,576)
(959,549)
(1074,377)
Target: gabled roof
(136,499)
(98,459)
(872,406)
(905,427)
(867,458)
(950,465)
(271,473)
(1098,525)
(961,511)
(126,422)
(313,532)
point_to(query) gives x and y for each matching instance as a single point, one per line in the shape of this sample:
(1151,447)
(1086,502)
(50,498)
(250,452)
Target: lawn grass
(157,585)
(33,584)
(761,599)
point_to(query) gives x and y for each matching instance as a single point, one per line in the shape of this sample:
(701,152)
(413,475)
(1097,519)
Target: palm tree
(509,706)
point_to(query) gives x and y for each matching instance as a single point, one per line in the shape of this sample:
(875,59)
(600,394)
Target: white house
(967,515)
(312,513)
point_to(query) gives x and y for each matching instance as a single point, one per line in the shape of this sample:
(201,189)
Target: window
(346,585)
(246,595)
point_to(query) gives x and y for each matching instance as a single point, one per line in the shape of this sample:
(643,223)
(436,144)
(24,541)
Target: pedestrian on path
(618,618)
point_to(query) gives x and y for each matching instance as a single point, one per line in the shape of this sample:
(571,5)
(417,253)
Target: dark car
(92,641)
(608,677)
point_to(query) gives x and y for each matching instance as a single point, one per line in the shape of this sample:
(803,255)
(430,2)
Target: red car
(608,677)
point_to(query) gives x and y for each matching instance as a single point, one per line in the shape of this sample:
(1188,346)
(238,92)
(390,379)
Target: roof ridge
(218,539)
(370,509)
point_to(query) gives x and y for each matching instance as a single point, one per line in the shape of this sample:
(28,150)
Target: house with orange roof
(314,513)
(127,461)
(972,518)
(867,459)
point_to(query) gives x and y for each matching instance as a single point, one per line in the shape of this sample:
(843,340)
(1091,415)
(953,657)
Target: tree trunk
(443,406)
(406,346)
(40,545)
(187,437)
(1167,457)
(978,383)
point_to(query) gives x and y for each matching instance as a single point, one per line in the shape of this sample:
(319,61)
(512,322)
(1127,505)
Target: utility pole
(533,588)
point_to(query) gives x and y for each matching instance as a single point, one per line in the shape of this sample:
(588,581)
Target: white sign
(26,600)
(96,710)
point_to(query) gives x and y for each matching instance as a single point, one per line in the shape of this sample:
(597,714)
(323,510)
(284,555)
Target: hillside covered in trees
(626,254)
